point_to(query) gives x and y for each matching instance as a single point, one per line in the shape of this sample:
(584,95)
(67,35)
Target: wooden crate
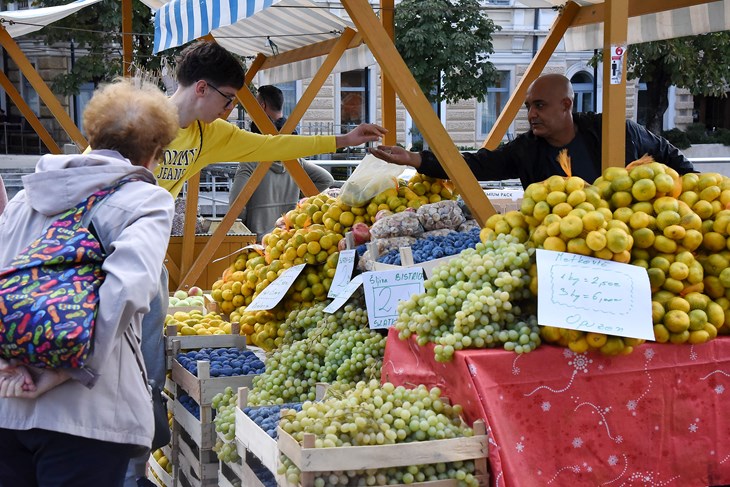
(406,258)
(203,387)
(196,342)
(193,466)
(238,475)
(312,460)
(154,466)
(201,431)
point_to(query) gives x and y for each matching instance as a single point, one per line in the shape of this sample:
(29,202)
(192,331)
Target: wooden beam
(173,271)
(187,253)
(517,98)
(593,14)
(252,70)
(42,89)
(28,114)
(308,52)
(387,92)
(613,131)
(419,107)
(215,240)
(127,38)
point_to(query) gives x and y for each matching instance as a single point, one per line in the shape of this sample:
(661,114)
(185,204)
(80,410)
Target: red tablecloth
(657,417)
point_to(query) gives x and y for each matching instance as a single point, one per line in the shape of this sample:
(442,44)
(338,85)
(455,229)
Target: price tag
(343,273)
(272,294)
(384,289)
(344,295)
(593,295)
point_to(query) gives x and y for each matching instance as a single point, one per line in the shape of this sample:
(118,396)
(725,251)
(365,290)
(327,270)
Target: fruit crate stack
(209,371)
(160,468)
(311,460)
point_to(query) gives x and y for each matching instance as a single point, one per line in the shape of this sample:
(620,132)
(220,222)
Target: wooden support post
(415,101)
(560,25)
(42,89)
(387,93)
(615,33)
(127,39)
(28,114)
(191,218)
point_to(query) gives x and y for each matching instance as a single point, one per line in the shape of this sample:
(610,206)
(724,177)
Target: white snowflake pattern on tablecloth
(577,442)
(601,412)
(572,468)
(650,479)
(619,439)
(694,427)
(520,447)
(633,404)
(719,389)
(515,369)
(613,461)
(472,370)
(545,406)
(580,363)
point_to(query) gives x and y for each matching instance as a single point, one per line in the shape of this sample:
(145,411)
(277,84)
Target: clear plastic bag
(444,214)
(404,224)
(371,177)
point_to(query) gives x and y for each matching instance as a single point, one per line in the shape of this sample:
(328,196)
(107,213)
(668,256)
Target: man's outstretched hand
(397,155)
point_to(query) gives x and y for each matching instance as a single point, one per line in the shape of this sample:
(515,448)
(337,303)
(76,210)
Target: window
(353,99)
(583,90)
(29,94)
(289,90)
(489,110)
(86,91)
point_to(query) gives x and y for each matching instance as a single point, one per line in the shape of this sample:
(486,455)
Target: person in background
(278,192)
(532,156)
(3,196)
(208,79)
(80,427)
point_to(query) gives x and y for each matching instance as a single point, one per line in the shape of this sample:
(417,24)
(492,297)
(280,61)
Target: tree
(96,34)
(446,44)
(698,63)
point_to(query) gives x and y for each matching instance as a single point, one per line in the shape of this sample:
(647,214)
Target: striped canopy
(668,24)
(249,27)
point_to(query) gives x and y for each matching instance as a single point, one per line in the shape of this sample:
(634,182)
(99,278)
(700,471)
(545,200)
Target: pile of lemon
(196,323)
(162,461)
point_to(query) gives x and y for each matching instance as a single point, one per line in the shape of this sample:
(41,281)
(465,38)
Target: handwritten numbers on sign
(344,294)
(383,291)
(274,292)
(590,294)
(343,273)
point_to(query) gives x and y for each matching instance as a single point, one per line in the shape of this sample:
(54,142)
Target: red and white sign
(617,64)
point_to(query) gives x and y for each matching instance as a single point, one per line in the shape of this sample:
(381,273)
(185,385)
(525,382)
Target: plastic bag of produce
(441,232)
(387,244)
(404,224)
(371,177)
(444,214)
(468,225)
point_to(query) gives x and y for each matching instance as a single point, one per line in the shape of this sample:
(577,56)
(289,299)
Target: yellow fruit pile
(162,461)
(432,189)
(263,327)
(196,323)
(512,223)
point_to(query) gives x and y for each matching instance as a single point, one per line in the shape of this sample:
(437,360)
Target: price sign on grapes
(585,293)
(344,294)
(274,292)
(384,289)
(343,273)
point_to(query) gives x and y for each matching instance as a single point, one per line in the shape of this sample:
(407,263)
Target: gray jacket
(111,403)
(277,193)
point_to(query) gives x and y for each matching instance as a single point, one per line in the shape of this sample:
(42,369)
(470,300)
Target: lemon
(644,189)
(676,321)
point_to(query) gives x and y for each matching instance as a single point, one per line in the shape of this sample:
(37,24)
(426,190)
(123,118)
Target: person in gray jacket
(80,427)
(278,192)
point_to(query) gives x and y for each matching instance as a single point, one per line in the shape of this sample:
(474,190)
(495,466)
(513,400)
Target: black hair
(272,96)
(210,62)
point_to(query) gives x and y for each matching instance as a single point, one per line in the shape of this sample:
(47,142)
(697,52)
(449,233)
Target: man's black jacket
(525,157)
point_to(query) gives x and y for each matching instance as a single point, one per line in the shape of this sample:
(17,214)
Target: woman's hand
(363,133)
(397,155)
(21,381)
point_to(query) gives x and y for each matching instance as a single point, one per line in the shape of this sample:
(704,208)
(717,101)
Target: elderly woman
(80,427)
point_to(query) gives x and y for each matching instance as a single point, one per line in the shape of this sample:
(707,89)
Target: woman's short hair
(136,121)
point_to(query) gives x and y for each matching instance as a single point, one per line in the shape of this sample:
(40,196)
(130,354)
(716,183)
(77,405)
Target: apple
(173,301)
(180,294)
(195,291)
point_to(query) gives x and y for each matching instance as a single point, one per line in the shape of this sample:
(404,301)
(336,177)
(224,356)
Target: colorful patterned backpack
(49,295)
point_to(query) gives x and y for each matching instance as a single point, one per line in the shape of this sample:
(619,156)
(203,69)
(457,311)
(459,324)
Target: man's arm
(321,177)
(658,147)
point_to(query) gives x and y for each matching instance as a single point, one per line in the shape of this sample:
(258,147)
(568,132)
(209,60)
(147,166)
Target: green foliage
(96,34)
(697,134)
(698,63)
(677,138)
(449,37)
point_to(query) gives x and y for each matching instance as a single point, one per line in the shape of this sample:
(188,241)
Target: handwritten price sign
(343,273)
(383,291)
(590,294)
(274,292)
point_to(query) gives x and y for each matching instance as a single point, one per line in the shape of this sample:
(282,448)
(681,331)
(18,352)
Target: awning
(668,24)
(263,26)
(21,22)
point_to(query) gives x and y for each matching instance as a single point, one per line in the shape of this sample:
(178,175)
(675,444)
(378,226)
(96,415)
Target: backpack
(50,292)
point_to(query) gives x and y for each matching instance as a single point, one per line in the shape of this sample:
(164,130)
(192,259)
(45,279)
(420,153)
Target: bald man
(532,156)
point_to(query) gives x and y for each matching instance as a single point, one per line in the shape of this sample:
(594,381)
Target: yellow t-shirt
(224,142)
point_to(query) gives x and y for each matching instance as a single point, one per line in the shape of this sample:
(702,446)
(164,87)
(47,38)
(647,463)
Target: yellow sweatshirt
(221,141)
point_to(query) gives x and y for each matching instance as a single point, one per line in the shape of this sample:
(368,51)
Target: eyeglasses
(229,98)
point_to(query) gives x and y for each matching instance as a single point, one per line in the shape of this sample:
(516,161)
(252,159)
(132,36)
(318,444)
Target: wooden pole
(387,98)
(615,33)
(127,39)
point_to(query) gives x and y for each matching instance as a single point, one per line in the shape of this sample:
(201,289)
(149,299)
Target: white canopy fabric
(669,24)
(21,22)
(287,24)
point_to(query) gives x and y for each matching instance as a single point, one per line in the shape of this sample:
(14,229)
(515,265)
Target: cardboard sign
(617,64)
(593,295)
(272,294)
(343,273)
(344,294)
(384,289)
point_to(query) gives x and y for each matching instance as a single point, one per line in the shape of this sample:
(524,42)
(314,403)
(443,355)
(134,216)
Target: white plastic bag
(371,177)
